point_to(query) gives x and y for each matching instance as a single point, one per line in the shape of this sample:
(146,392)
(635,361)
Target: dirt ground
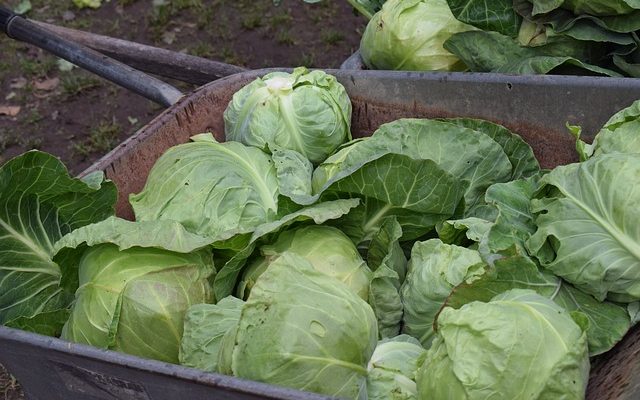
(79,117)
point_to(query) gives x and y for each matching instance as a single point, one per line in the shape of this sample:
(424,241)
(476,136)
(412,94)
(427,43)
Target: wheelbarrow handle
(17,27)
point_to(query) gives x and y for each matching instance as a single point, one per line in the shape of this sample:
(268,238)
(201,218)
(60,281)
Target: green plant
(332,37)
(76,82)
(308,112)
(143,279)
(409,35)
(102,138)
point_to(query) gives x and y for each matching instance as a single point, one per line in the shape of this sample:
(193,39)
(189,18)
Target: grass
(230,56)
(9,387)
(76,82)
(34,117)
(37,67)
(332,37)
(202,49)
(284,37)
(102,138)
(306,60)
(251,22)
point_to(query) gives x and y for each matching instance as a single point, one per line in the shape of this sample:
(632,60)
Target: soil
(79,117)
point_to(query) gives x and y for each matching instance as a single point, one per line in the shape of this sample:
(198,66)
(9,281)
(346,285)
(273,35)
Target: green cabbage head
(303,329)
(134,300)
(392,369)
(305,111)
(409,35)
(434,270)
(327,249)
(136,281)
(517,346)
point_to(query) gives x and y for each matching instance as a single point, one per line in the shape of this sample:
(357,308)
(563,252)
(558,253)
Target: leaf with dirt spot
(11,111)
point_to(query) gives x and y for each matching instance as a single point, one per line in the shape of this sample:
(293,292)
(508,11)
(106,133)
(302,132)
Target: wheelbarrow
(536,107)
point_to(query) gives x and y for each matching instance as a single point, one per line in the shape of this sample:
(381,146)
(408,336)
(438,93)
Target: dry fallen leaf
(11,111)
(169,37)
(10,96)
(47,84)
(18,83)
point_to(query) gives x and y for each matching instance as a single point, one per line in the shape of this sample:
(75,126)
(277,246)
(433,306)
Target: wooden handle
(166,63)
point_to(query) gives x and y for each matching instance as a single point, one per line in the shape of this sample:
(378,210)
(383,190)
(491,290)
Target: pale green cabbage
(327,249)
(409,35)
(518,346)
(305,111)
(137,280)
(434,270)
(303,329)
(392,369)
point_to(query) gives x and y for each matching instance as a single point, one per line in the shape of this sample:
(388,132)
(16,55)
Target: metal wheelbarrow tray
(537,107)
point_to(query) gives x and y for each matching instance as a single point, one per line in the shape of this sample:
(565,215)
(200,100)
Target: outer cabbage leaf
(621,134)
(39,203)
(493,15)
(601,7)
(386,259)
(361,169)
(417,193)
(502,54)
(305,330)
(167,235)
(227,276)
(562,21)
(434,270)
(608,322)
(586,226)
(409,34)
(305,111)
(204,328)
(229,188)
(392,369)
(482,349)
(508,231)
(523,161)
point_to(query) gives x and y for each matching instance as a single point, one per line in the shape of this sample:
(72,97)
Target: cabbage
(434,270)
(303,329)
(409,35)
(216,190)
(587,225)
(519,345)
(137,280)
(327,249)
(308,112)
(392,369)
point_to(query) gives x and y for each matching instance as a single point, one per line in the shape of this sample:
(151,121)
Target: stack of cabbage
(281,255)
(510,36)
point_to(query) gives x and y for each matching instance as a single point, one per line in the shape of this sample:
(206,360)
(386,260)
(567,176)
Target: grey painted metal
(53,369)
(354,62)
(121,74)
